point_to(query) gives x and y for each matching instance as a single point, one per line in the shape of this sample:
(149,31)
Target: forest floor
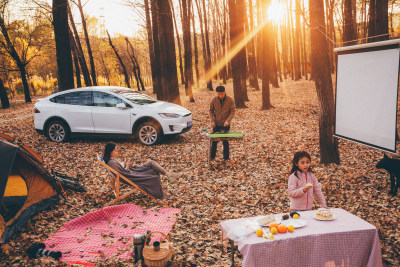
(209,195)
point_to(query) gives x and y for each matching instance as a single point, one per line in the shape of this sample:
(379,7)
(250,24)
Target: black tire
(149,133)
(57,131)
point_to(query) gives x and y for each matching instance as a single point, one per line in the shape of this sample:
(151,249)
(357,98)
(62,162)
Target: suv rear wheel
(149,133)
(57,131)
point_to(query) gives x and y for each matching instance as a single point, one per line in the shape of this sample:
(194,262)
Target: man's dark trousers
(225,143)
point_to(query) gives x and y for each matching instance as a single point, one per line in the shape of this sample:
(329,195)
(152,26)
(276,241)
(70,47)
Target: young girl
(303,184)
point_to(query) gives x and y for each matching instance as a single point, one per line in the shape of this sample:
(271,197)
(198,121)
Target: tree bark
(349,32)
(196,53)
(265,50)
(297,34)
(187,43)
(135,65)
(92,66)
(170,85)
(120,61)
(329,152)
(3,96)
(63,47)
(242,53)
(207,42)
(157,74)
(236,34)
(76,61)
(79,50)
(253,75)
(382,20)
(150,40)
(372,21)
(178,41)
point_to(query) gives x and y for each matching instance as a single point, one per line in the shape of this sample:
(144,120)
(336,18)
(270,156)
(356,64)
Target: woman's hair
(107,151)
(297,156)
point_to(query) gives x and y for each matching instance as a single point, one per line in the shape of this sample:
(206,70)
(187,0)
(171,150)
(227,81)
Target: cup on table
(156,245)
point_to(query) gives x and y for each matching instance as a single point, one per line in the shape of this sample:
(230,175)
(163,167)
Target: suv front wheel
(57,131)
(149,133)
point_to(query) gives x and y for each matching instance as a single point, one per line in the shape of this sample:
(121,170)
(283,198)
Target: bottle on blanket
(138,247)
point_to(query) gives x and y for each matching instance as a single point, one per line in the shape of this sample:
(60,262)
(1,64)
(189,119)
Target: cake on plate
(266,219)
(325,214)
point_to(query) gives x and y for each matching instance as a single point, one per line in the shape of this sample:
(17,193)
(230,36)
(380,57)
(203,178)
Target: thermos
(138,247)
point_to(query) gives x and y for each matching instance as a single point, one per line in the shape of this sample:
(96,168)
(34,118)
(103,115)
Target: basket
(159,258)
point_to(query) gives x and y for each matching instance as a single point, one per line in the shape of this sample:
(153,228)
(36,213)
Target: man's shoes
(172,176)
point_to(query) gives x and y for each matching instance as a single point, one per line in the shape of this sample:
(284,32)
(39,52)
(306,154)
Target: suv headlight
(169,115)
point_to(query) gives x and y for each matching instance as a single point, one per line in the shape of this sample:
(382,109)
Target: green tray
(230,135)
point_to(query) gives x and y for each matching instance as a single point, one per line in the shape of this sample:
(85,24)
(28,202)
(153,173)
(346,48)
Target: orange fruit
(274,224)
(259,232)
(282,228)
(296,216)
(274,230)
(290,228)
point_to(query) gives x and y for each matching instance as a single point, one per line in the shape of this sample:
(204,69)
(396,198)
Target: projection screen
(367,82)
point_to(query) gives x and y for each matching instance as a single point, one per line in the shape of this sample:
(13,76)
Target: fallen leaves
(207,194)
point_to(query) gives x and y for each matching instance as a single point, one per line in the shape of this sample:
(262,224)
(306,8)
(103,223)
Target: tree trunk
(382,20)
(13,53)
(187,43)
(349,32)
(203,42)
(178,41)
(265,91)
(79,50)
(196,53)
(253,75)
(272,61)
(135,65)
(106,71)
(75,59)
(297,34)
(242,53)
(157,74)
(236,34)
(329,152)
(372,21)
(207,42)
(63,48)
(3,96)
(224,71)
(170,85)
(305,45)
(150,40)
(92,67)
(120,61)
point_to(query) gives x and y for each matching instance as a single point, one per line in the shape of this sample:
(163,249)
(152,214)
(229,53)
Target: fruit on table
(296,216)
(285,216)
(259,232)
(294,213)
(273,225)
(282,228)
(290,228)
(274,230)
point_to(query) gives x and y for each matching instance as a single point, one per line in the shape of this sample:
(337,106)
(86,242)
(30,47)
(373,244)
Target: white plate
(297,223)
(277,220)
(321,219)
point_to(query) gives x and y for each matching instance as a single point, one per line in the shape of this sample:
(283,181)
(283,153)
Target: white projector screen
(366,97)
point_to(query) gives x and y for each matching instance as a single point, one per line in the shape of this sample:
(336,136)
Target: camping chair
(115,182)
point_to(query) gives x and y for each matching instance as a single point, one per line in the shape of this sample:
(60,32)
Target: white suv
(109,110)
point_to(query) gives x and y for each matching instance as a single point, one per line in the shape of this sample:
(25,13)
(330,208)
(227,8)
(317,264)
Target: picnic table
(346,241)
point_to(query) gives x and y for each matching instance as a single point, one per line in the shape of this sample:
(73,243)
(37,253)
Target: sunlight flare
(275,11)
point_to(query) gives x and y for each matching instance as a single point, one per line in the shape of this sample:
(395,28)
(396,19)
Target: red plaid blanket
(108,232)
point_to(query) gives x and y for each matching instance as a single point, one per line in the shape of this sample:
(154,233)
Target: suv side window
(82,98)
(103,99)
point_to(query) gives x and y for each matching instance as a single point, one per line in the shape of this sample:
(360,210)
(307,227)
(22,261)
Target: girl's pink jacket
(300,200)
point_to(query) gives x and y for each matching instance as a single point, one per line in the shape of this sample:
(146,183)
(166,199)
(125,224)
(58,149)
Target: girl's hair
(107,151)
(297,156)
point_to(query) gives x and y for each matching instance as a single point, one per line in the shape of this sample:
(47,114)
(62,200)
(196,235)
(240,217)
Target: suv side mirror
(121,105)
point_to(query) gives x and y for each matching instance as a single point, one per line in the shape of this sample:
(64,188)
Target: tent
(26,187)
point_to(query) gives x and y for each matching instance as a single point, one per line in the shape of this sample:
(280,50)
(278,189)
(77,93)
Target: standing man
(222,110)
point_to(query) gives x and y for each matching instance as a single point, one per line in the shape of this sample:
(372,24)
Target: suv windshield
(136,98)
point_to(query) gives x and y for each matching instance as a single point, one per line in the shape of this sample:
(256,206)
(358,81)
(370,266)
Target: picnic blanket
(108,232)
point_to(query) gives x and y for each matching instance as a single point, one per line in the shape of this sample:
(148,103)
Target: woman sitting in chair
(146,176)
